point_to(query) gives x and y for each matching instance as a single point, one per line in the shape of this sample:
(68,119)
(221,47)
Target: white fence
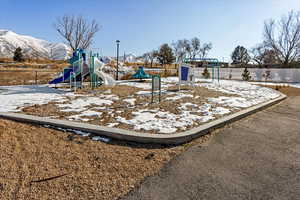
(276,75)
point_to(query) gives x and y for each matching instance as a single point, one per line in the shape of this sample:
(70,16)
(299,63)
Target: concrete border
(121,134)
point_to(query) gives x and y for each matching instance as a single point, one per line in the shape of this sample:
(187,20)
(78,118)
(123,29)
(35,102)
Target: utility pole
(118,44)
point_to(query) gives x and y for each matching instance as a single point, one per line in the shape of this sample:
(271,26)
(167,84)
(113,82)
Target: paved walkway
(255,158)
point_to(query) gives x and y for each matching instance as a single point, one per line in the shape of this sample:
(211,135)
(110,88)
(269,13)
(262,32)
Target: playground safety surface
(42,163)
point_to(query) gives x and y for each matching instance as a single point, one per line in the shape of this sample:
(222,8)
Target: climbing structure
(81,67)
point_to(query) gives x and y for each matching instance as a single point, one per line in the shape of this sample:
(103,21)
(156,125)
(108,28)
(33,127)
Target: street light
(118,44)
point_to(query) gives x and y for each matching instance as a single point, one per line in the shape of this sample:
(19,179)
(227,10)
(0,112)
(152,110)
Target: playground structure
(212,63)
(141,74)
(81,67)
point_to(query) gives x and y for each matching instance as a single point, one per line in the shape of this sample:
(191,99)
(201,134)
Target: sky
(143,25)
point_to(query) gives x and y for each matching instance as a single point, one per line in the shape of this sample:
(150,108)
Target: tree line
(280,45)
(177,51)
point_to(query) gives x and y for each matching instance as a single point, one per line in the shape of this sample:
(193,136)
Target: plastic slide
(106,78)
(64,77)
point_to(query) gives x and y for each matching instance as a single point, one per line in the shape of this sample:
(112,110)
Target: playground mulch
(41,163)
(122,109)
(289,91)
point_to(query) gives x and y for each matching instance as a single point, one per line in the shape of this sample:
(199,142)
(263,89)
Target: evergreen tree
(246,75)
(206,73)
(165,55)
(240,56)
(18,56)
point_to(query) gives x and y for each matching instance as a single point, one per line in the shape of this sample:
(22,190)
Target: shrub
(246,75)
(18,56)
(267,75)
(206,73)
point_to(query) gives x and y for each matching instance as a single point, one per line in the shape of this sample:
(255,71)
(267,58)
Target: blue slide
(66,75)
(78,54)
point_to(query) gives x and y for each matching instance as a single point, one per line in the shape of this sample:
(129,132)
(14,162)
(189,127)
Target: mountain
(31,47)
(130,58)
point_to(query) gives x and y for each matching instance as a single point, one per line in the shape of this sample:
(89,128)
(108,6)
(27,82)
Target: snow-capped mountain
(31,47)
(130,58)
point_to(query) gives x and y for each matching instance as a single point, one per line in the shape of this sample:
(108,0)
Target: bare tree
(257,54)
(283,37)
(77,31)
(146,57)
(205,49)
(192,48)
(187,48)
(179,48)
(150,57)
(195,47)
(270,57)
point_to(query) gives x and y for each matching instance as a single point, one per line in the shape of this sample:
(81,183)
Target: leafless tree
(179,48)
(257,54)
(192,48)
(205,49)
(150,57)
(187,48)
(146,57)
(263,55)
(283,37)
(77,31)
(195,47)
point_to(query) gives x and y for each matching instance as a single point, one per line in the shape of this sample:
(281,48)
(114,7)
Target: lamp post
(118,44)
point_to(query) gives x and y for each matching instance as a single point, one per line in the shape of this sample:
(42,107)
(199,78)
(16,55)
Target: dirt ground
(41,163)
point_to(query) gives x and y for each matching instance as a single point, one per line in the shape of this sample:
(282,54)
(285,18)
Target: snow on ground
(13,98)
(82,116)
(79,105)
(179,96)
(131,101)
(166,122)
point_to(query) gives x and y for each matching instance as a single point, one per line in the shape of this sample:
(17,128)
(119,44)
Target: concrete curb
(121,134)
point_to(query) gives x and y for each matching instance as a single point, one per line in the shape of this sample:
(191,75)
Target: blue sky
(143,25)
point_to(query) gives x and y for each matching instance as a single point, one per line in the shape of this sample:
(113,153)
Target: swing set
(212,63)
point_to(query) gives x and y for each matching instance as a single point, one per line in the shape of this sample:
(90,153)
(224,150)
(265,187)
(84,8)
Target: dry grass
(25,77)
(86,169)
(24,73)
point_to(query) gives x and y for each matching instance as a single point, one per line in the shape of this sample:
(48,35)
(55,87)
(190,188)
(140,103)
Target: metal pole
(219,72)
(36,75)
(117,75)
(152,90)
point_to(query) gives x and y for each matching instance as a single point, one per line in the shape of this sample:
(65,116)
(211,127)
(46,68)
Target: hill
(32,47)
